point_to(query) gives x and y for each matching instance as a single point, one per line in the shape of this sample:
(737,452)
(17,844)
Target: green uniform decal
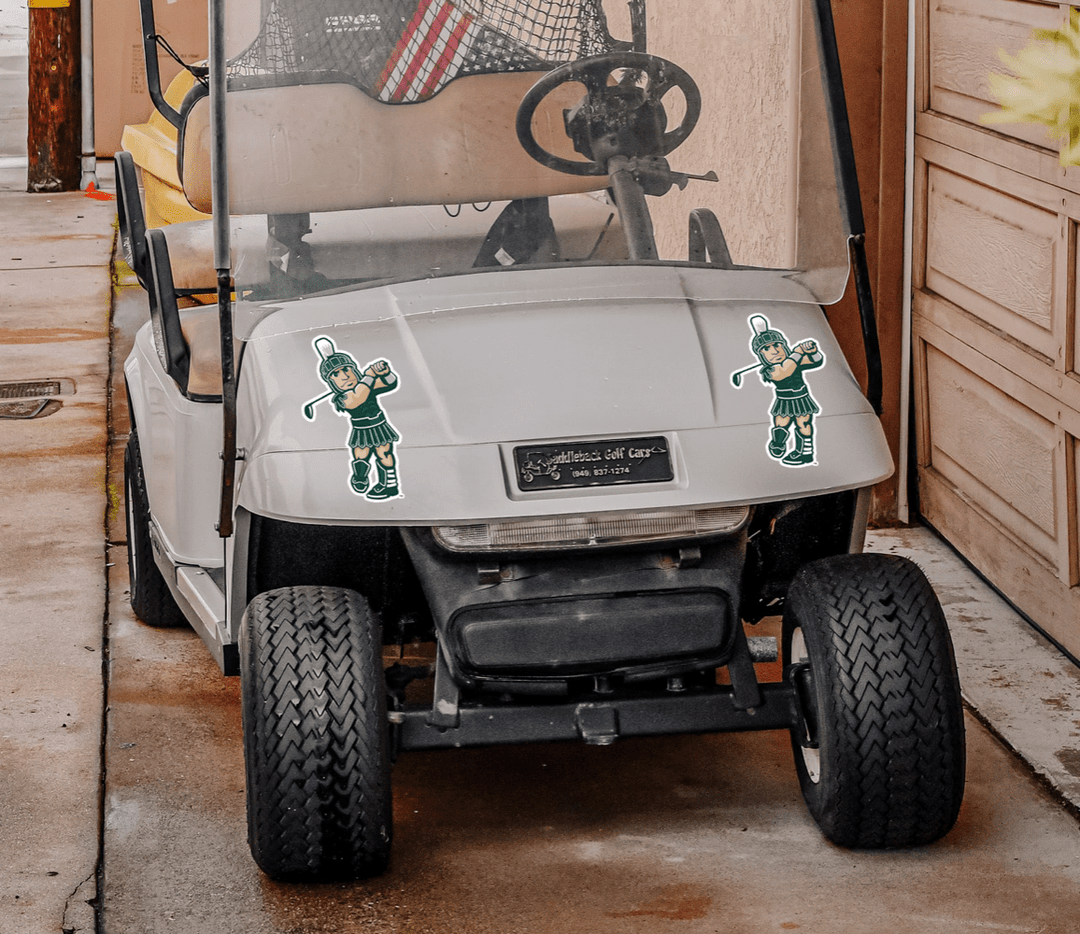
(355,392)
(783,368)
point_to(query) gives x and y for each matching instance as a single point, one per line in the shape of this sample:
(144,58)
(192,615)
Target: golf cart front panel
(490,364)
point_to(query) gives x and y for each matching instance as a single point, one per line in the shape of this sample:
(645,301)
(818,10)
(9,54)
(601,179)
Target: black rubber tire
(879,681)
(316,735)
(150,597)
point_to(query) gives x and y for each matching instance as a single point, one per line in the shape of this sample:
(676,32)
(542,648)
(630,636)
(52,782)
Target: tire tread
(894,707)
(315,735)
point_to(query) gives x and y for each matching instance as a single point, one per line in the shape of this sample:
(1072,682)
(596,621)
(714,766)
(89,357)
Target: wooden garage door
(994,323)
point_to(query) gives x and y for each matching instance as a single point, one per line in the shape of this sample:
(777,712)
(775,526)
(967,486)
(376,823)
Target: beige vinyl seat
(330,147)
(388,243)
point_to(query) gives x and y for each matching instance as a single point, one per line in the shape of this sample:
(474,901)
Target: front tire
(315,735)
(880,746)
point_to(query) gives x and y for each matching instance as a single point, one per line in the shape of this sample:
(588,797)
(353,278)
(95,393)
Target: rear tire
(315,735)
(150,597)
(880,749)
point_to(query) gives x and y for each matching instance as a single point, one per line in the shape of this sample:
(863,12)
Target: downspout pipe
(903,504)
(89,146)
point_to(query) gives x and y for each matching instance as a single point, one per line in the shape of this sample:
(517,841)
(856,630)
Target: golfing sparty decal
(782,368)
(355,392)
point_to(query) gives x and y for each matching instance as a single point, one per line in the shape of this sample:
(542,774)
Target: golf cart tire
(150,597)
(315,735)
(868,650)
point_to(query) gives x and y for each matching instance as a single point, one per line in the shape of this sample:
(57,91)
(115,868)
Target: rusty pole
(54,126)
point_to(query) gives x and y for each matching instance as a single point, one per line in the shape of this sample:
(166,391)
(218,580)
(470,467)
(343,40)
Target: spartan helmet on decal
(764,336)
(332,359)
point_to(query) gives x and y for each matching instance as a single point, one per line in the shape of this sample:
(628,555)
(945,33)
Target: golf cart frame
(604,634)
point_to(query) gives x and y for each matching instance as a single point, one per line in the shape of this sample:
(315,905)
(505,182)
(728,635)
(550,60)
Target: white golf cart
(457,391)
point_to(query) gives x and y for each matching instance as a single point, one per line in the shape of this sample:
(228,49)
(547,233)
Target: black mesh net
(401,51)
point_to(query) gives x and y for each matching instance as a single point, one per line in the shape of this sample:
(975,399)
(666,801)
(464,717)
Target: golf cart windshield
(370,141)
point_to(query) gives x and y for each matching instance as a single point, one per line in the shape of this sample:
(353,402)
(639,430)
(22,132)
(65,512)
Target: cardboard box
(120,93)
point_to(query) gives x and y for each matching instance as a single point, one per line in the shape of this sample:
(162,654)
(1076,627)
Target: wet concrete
(54,324)
(690,834)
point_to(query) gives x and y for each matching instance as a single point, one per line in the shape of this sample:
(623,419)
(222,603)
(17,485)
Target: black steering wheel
(595,74)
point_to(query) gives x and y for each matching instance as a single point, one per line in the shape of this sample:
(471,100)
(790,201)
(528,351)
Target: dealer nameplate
(593,463)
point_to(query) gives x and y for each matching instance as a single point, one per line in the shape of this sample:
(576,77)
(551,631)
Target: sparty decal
(783,368)
(355,393)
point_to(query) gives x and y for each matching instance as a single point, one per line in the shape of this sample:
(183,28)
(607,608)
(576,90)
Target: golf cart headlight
(554,532)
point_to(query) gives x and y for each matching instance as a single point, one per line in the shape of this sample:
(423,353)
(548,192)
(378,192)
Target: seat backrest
(330,147)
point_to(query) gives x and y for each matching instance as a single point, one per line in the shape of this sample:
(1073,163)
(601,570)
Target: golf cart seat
(332,147)
(202,335)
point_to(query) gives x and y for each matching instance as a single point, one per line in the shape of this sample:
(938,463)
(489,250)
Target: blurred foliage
(1044,87)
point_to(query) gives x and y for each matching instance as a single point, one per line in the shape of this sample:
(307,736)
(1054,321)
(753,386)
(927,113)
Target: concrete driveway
(133,822)
(687,834)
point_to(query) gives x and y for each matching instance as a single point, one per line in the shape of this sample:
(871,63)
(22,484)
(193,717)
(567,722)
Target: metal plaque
(593,463)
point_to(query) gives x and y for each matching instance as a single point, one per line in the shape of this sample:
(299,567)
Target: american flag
(430,52)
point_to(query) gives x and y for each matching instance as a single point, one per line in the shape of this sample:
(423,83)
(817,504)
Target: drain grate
(36,388)
(22,390)
(33,398)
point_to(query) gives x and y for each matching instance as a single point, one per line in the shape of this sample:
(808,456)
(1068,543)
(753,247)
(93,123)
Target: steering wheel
(595,73)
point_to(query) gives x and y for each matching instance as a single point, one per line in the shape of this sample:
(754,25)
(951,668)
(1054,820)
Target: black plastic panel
(579,635)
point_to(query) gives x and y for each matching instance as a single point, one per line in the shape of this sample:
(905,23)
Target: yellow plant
(1044,87)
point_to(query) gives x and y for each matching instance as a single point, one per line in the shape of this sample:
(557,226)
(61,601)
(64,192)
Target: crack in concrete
(84,911)
(80,910)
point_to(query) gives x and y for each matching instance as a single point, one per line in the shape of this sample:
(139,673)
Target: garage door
(994,318)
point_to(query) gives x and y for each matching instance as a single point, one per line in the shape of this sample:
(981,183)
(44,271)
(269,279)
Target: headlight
(555,532)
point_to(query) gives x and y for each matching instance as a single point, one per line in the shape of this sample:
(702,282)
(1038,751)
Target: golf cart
(472,387)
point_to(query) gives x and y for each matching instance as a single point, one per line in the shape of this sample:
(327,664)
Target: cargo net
(401,51)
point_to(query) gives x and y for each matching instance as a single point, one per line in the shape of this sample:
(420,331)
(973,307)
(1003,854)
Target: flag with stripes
(430,52)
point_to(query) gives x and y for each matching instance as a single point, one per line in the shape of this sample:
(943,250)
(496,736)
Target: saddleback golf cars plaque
(593,463)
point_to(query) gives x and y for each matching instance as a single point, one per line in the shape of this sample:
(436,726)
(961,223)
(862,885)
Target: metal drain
(26,408)
(33,398)
(22,390)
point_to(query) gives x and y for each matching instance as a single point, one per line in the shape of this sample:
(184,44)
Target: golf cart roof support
(844,152)
(219,183)
(150,57)
(867,317)
(638,25)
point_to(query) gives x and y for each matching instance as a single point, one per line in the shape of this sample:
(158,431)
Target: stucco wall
(739,54)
